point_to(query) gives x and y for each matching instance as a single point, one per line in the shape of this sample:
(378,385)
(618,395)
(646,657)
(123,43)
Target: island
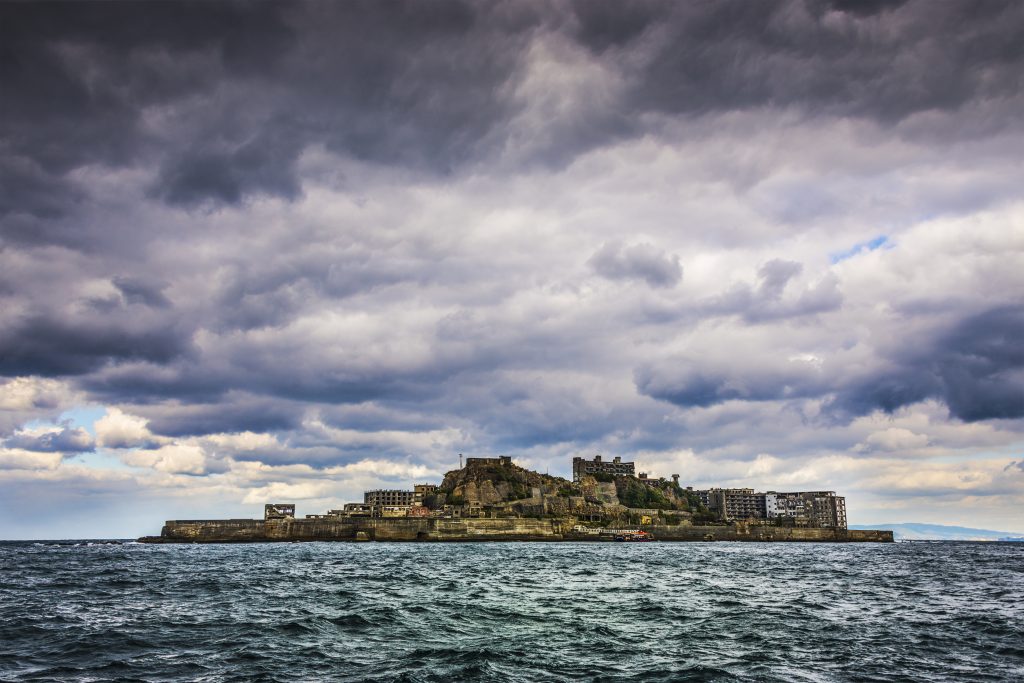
(493,499)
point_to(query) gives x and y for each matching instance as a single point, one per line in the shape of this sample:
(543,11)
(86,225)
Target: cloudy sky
(288,252)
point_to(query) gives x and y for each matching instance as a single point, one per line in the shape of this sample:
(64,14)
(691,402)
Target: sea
(109,611)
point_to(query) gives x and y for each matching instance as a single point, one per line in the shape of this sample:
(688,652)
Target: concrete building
(279,511)
(616,468)
(421,491)
(382,497)
(500,460)
(822,509)
(733,504)
(815,509)
(645,476)
(354,510)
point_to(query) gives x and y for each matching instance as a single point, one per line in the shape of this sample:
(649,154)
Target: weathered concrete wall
(746,532)
(511,529)
(399,529)
(213,531)
(514,529)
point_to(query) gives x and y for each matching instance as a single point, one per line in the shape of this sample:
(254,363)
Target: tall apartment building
(616,468)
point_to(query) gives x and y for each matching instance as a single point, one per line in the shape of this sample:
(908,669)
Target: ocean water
(512,612)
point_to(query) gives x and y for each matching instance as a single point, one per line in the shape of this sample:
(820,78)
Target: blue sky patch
(84,417)
(882,241)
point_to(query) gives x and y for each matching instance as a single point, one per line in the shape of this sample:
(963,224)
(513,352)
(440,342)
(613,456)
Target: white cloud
(32,393)
(118,429)
(20,459)
(285,492)
(893,439)
(175,458)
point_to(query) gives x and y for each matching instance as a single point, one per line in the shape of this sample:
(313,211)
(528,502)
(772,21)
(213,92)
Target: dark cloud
(395,284)
(688,383)
(736,55)
(866,8)
(54,346)
(150,382)
(236,412)
(80,75)
(976,368)
(137,291)
(66,439)
(645,262)
(605,24)
(223,98)
(228,172)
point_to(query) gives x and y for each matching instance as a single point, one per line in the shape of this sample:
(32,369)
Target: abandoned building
(616,468)
(820,509)
(388,497)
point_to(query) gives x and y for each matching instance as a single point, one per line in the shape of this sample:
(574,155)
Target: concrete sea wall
(462,530)
(754,532)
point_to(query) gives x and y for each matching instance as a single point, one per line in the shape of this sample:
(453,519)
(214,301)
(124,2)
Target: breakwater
(467,530)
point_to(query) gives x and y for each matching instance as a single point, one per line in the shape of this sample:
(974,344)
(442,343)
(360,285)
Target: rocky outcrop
(603,493)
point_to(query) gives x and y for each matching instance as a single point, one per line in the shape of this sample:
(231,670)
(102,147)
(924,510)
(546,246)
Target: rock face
(598,491)
(493,481)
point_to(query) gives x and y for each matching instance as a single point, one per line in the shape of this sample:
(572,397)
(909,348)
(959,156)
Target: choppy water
(512,612)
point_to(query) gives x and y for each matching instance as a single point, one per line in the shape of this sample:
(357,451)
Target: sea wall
(462,530)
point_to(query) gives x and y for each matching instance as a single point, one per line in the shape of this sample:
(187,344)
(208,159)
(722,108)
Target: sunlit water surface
(512,612)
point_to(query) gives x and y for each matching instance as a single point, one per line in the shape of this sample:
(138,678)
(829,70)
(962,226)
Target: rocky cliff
(500,486)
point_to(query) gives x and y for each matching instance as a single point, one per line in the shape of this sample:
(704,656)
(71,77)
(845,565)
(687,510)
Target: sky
(286,252)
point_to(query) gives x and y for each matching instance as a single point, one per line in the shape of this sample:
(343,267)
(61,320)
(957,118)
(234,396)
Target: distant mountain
(915,531)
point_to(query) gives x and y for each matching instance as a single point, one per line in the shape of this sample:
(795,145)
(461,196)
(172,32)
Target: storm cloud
(312,247)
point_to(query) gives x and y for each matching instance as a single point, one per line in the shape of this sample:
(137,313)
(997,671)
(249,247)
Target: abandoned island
(493,499)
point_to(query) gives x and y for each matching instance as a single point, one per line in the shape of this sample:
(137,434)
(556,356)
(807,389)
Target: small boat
(634,537)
